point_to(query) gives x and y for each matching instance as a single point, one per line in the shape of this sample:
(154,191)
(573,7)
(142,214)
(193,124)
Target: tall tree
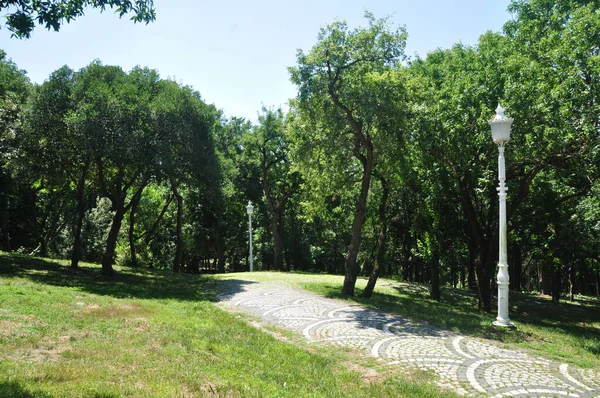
(14,91)
(339,87)
(114,109)
(57,143)
(269,146)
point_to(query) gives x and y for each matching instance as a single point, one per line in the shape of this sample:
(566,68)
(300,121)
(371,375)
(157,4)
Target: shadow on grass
(14,389)
(141,283)
(458,311)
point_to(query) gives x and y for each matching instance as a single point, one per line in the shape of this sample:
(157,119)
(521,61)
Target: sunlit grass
(148,333)
(565,332)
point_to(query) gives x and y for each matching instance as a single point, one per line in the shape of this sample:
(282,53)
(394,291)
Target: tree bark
(546,280)
(435,292)
(118,198)
(360,215)
(111,242)
(471,278)
(277,243)
(484,264)
(275,212)
(131,235)
(380,256)
(556,288)
(571,281)
(220,250)
(77,249)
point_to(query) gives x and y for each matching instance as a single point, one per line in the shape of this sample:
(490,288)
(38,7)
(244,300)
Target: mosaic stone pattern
(469,366)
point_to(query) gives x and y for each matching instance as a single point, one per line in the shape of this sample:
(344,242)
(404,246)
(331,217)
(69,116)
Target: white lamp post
(250,210)
(500,125)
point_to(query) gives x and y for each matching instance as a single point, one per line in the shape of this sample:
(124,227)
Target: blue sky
(235,52)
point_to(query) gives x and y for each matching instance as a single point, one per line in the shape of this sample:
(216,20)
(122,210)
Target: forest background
(383,164)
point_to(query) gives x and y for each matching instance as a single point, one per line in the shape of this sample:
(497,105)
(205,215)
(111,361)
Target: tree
(187,160)
(239,183)
(57,143)
(21,15)
(268,145)
(113,108)
(14,91)
(339,86)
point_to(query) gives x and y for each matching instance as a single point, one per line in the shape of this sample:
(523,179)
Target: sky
(236,52)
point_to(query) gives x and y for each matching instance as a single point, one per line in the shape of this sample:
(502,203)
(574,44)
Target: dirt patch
(42,354)
(209,389)
(367,375)
(13,324)
(279,336)
(115,311)
(10,328)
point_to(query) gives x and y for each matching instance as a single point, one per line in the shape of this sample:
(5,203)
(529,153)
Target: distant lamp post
(250,210)
(500,125)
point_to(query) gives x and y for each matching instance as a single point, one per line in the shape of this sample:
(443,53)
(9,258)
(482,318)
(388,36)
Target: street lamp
(250,210)
(500,125)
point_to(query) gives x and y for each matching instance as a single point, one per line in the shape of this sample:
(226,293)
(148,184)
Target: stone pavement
(467,365)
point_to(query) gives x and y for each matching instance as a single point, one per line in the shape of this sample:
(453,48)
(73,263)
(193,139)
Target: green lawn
(147,333)
(565,332)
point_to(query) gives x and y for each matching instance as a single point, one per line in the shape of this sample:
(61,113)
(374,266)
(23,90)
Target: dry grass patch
(367,375)
(14,324)
(120,310)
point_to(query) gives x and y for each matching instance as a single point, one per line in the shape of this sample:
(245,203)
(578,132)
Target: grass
(564,332)
(147,333)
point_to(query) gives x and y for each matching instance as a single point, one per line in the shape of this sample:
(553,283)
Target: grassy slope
(66,333)
(565,332)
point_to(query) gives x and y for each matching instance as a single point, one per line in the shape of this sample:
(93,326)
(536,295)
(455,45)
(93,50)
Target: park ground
(147,332)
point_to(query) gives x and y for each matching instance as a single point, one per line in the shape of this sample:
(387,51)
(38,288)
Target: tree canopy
(22,15)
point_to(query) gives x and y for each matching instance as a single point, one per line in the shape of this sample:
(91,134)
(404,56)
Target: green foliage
(95,230)
(22,15)
(14,89)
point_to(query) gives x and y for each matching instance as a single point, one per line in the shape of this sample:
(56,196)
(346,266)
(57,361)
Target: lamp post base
(504,323)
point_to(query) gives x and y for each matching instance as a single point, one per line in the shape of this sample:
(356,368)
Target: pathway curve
(469,366)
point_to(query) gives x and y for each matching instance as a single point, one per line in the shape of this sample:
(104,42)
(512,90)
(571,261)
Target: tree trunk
(571,280)
(360,214)
(484,264)
(546,280)
(77,249)
(4,191)
(195,265)
(483,269)
(179,235)
(471,278)
(435,273)
(556,288)
(277,242)
(275,211)
(131,235)
(380,256)
(220,251)
(111,241)
(515,268)
(4,236)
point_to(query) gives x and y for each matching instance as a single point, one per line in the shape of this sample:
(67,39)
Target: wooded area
(384,165)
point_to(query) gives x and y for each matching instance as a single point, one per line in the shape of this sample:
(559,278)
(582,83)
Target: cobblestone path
(467,365)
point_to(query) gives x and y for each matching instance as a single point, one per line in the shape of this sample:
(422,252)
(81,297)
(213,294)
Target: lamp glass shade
(249,208)
(500,125)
